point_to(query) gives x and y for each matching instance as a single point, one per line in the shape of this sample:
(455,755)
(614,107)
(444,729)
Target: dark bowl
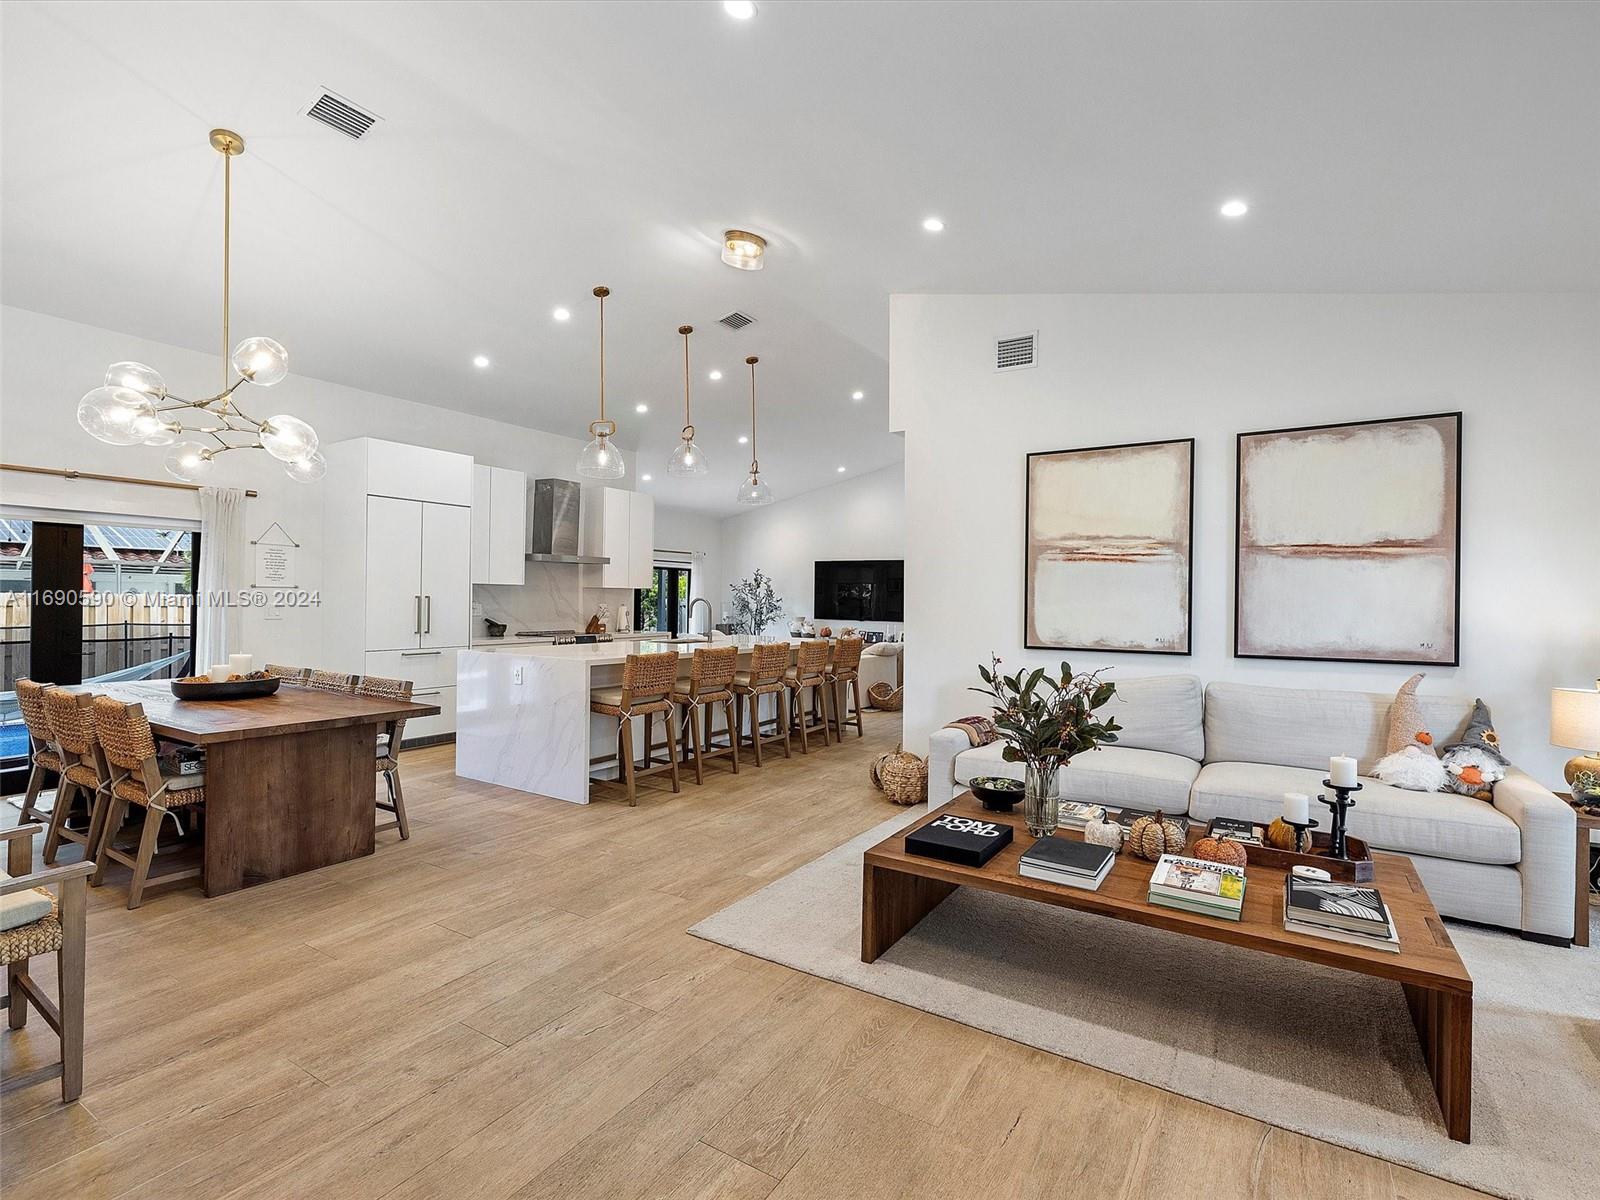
(997,794)
(238,689)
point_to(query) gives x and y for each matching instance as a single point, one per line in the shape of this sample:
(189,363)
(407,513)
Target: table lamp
(1575,724)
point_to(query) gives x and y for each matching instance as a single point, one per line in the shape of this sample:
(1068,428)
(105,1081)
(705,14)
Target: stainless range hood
(553,524)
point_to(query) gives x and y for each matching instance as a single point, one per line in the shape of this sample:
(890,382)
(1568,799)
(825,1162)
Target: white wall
(49,363)
(863,517)
(1524,369)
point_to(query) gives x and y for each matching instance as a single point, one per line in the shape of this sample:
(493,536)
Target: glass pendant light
(287,438)
(687,460)
(600,459)
(753,490)
(116,415)
(190,461)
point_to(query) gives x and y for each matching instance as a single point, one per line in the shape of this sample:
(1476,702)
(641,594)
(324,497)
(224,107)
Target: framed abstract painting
(1348,542)
(1109,536)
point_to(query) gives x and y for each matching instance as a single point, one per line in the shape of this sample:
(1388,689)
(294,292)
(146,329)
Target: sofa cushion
(1304,727)
(1160,712)
(1112,775)
(1439,824)
(25,907)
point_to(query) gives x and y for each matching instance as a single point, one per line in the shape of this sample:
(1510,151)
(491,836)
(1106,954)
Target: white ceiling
(530,151)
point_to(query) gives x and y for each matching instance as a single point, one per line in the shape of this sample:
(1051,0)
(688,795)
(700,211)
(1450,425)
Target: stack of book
(1066,861)
(1237,830)
(1199,886)
(1340,912)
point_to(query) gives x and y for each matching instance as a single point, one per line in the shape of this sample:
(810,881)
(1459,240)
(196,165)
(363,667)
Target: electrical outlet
(516,675)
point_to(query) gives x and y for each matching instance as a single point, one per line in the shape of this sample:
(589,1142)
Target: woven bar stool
(768,662)
(647,684)
(844,679)
(287,674)
(130,748)
(328,681)
(72,728)
(42,754)
(389,749)
(710,684)
(809,672)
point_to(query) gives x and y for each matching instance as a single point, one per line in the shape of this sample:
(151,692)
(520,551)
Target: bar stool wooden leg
(672,733)
(147,850)
(58,817)
(112,825)
(625,751)
(691,727)
(733,732)
(36,776)
(854,687)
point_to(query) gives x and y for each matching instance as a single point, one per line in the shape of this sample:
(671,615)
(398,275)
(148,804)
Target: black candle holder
(1341,806)
(1302,833)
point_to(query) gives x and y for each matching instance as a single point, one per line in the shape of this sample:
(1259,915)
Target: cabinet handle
(419,653)
(428,628)
(416,614)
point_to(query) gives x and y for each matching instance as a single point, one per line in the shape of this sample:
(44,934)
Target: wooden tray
(1357,868)
(238,689)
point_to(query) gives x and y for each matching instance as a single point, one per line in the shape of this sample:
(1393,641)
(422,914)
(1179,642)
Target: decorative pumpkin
(825,631)
(1101,832)
(1221,850)
(1283,836)
(1151,837)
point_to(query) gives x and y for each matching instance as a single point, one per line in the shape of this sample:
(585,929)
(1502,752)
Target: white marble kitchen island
(522,712)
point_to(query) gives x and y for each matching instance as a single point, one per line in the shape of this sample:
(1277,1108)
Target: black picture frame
(1027,539)
(1238,527)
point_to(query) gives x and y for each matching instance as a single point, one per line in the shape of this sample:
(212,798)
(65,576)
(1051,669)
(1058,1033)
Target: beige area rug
(1314,1050)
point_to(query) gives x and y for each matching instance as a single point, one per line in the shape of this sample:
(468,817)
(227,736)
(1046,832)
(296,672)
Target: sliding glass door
(663,607)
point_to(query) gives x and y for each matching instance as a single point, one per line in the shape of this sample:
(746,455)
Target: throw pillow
(1414,768)
(1405,720)
(1476,763)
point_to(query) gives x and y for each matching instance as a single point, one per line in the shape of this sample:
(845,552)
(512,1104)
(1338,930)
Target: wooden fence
(116,634)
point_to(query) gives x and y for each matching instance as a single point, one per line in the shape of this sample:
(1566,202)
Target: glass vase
(1041,800)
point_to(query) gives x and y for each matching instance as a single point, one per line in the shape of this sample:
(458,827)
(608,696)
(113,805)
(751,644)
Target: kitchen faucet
(709,620)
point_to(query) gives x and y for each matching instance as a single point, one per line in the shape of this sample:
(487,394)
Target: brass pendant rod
(754,457)
(686,330)
(227,243)
(602,293)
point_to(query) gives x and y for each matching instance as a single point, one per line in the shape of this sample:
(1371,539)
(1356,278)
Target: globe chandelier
(133,407)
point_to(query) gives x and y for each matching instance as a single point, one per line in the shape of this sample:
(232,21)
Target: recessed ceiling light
(933,224)
(481,361)
(742,250)
(645,478)
(715,375)
(743,440)
(1234,208)
(562,314)
(739,10)
(841,470)
(858,395)
(641,408)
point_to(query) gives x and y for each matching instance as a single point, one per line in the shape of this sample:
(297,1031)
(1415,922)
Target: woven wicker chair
(768,662)
(328,681)
(647,683)
(809,672)
(43,757)
(287,674)
(844,680)
(710,684)
(130,748)
(71,719)
(389,749)
(34,922)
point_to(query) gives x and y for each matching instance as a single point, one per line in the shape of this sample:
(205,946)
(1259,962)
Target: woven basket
(881,695)
(901,776)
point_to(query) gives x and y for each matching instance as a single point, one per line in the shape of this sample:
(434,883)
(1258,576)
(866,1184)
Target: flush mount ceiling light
(1234,208)
(739,10)
(600,459)
(133,406)
(753,490)
(742,250)
(933,224)
(687,459)
(562,314)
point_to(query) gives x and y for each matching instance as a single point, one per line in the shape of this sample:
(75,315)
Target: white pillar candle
(219,672)
(1342,771)
(241,664)
(1296,808)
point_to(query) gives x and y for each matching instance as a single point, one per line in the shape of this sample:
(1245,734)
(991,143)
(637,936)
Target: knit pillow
(1405,720)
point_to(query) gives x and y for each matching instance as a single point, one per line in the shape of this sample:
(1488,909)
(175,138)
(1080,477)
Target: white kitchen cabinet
(499,525)
(393,574)
(621,526)
(446,561)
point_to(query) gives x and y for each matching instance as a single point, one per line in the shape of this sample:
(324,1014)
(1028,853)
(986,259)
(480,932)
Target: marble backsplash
(552,596)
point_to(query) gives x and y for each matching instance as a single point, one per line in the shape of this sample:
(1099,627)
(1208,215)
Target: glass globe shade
(190,461)
(754,490)
(137,377)
(687,460)
(601,460)
(308,469)
(154,429)
(112,414)
(288,438)
(261,360)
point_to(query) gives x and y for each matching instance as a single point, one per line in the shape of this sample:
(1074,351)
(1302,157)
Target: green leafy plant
(1046,720)
(755,604)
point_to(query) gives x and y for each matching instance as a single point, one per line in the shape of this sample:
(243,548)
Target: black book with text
(965,840)
(1067,856)
(1349,906)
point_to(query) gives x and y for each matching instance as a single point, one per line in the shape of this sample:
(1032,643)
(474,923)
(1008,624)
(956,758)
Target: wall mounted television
(861,590)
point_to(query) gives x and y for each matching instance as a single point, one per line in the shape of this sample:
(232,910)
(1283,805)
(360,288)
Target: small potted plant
(755,604)
(1046,720)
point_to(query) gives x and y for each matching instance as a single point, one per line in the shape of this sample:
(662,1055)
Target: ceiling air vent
(336,112)
(1015,352)
(737,320)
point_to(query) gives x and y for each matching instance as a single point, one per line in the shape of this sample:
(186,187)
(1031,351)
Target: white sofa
(882,662)
(1233,749)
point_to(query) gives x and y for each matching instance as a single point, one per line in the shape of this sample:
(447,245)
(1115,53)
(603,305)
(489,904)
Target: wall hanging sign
(276,556)
(1348,542)
(1109,536)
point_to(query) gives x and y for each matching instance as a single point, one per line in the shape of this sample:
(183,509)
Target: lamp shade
(1575,718)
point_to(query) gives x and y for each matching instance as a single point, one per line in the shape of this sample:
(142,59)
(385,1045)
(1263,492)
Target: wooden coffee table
(899,889)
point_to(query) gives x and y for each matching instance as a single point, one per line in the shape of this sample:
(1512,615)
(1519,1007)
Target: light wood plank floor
(507,1005)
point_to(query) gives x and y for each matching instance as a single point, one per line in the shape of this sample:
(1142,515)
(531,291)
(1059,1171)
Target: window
(663,607)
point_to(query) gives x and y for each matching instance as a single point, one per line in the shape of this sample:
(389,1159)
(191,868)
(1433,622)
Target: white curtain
(222,558)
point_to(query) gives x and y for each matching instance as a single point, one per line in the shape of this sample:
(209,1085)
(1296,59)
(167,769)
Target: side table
(1580,919)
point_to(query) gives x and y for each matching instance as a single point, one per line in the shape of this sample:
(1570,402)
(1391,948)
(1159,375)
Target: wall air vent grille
(338,113)
(1016,352)
(737,320)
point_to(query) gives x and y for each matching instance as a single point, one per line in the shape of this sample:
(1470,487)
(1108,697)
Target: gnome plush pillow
(1410,761)
(1475,764)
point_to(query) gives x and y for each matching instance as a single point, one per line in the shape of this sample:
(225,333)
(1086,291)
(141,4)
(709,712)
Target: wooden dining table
(290,778)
